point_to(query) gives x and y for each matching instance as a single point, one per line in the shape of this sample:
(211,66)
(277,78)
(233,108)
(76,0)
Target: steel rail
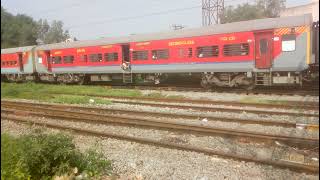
(313,91)
(167,115)
(300,167)
(288,105)
(127,120)
(217,109)
(203,108)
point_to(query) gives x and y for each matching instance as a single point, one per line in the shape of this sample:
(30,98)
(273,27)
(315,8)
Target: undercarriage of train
(246,80)
(250,80)
(209,80)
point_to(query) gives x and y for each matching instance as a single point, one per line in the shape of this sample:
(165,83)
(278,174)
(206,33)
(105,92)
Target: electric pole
(211,11)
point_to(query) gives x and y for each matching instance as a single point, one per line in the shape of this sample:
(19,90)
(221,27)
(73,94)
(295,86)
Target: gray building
(312,7)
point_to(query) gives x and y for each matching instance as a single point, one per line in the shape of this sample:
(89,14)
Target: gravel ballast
(244,108)
(134,160)
(232,96)
(139,161)
(244,115)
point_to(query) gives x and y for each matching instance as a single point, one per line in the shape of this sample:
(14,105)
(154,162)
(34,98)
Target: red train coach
(17,63)
(267,52)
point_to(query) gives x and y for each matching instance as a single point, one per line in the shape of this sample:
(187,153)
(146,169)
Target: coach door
(49,60)
(125,53)
(20,61)
(263,49)
(126,66)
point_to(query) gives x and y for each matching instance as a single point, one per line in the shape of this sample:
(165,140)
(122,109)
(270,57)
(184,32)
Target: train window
(56,60)
(139,55)
(236,49)
(160,54)
(111,56)
(100,57)
(83,58)
(68,59)
(183,53)
(95,57)
(189,52)
(263,46)
(288,42)
(207,51)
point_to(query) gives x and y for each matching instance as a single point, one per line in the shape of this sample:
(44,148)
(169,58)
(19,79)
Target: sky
(93,19)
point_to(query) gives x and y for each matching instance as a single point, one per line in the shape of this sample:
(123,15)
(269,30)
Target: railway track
(132,113)
(286,105)
(304,167)
(54,112)
(313,91)
(198,105)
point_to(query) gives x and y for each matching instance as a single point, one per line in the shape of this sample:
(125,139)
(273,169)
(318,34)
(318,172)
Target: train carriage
(17,63)
(73,64)
(273,51)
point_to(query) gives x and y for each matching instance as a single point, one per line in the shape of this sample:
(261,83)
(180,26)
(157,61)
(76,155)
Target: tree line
(257,10)
(22,30)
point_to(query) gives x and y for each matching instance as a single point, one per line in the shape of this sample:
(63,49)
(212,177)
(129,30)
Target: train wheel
(4,78)
(61,79)
(249,87)
(83,80)
(205,85)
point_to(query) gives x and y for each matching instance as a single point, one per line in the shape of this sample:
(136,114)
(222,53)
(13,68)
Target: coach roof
(16,50)
(252,25)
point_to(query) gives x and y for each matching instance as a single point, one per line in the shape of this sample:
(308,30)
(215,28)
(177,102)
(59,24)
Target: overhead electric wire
(78,4)
(135,17)
(57,9)
(140,16)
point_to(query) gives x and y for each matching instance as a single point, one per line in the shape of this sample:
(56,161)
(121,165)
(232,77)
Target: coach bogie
(4,78)
(47,78)
(156,78)
(70,78)
(11,77)
(226,80)
(15,77)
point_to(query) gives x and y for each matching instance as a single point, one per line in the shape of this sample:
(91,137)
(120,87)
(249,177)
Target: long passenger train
(265,52)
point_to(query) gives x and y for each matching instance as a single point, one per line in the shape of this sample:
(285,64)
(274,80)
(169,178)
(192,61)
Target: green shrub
(42,156)
(12,166)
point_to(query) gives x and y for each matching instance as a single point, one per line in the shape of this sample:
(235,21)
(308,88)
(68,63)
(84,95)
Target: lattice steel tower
(211,11)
